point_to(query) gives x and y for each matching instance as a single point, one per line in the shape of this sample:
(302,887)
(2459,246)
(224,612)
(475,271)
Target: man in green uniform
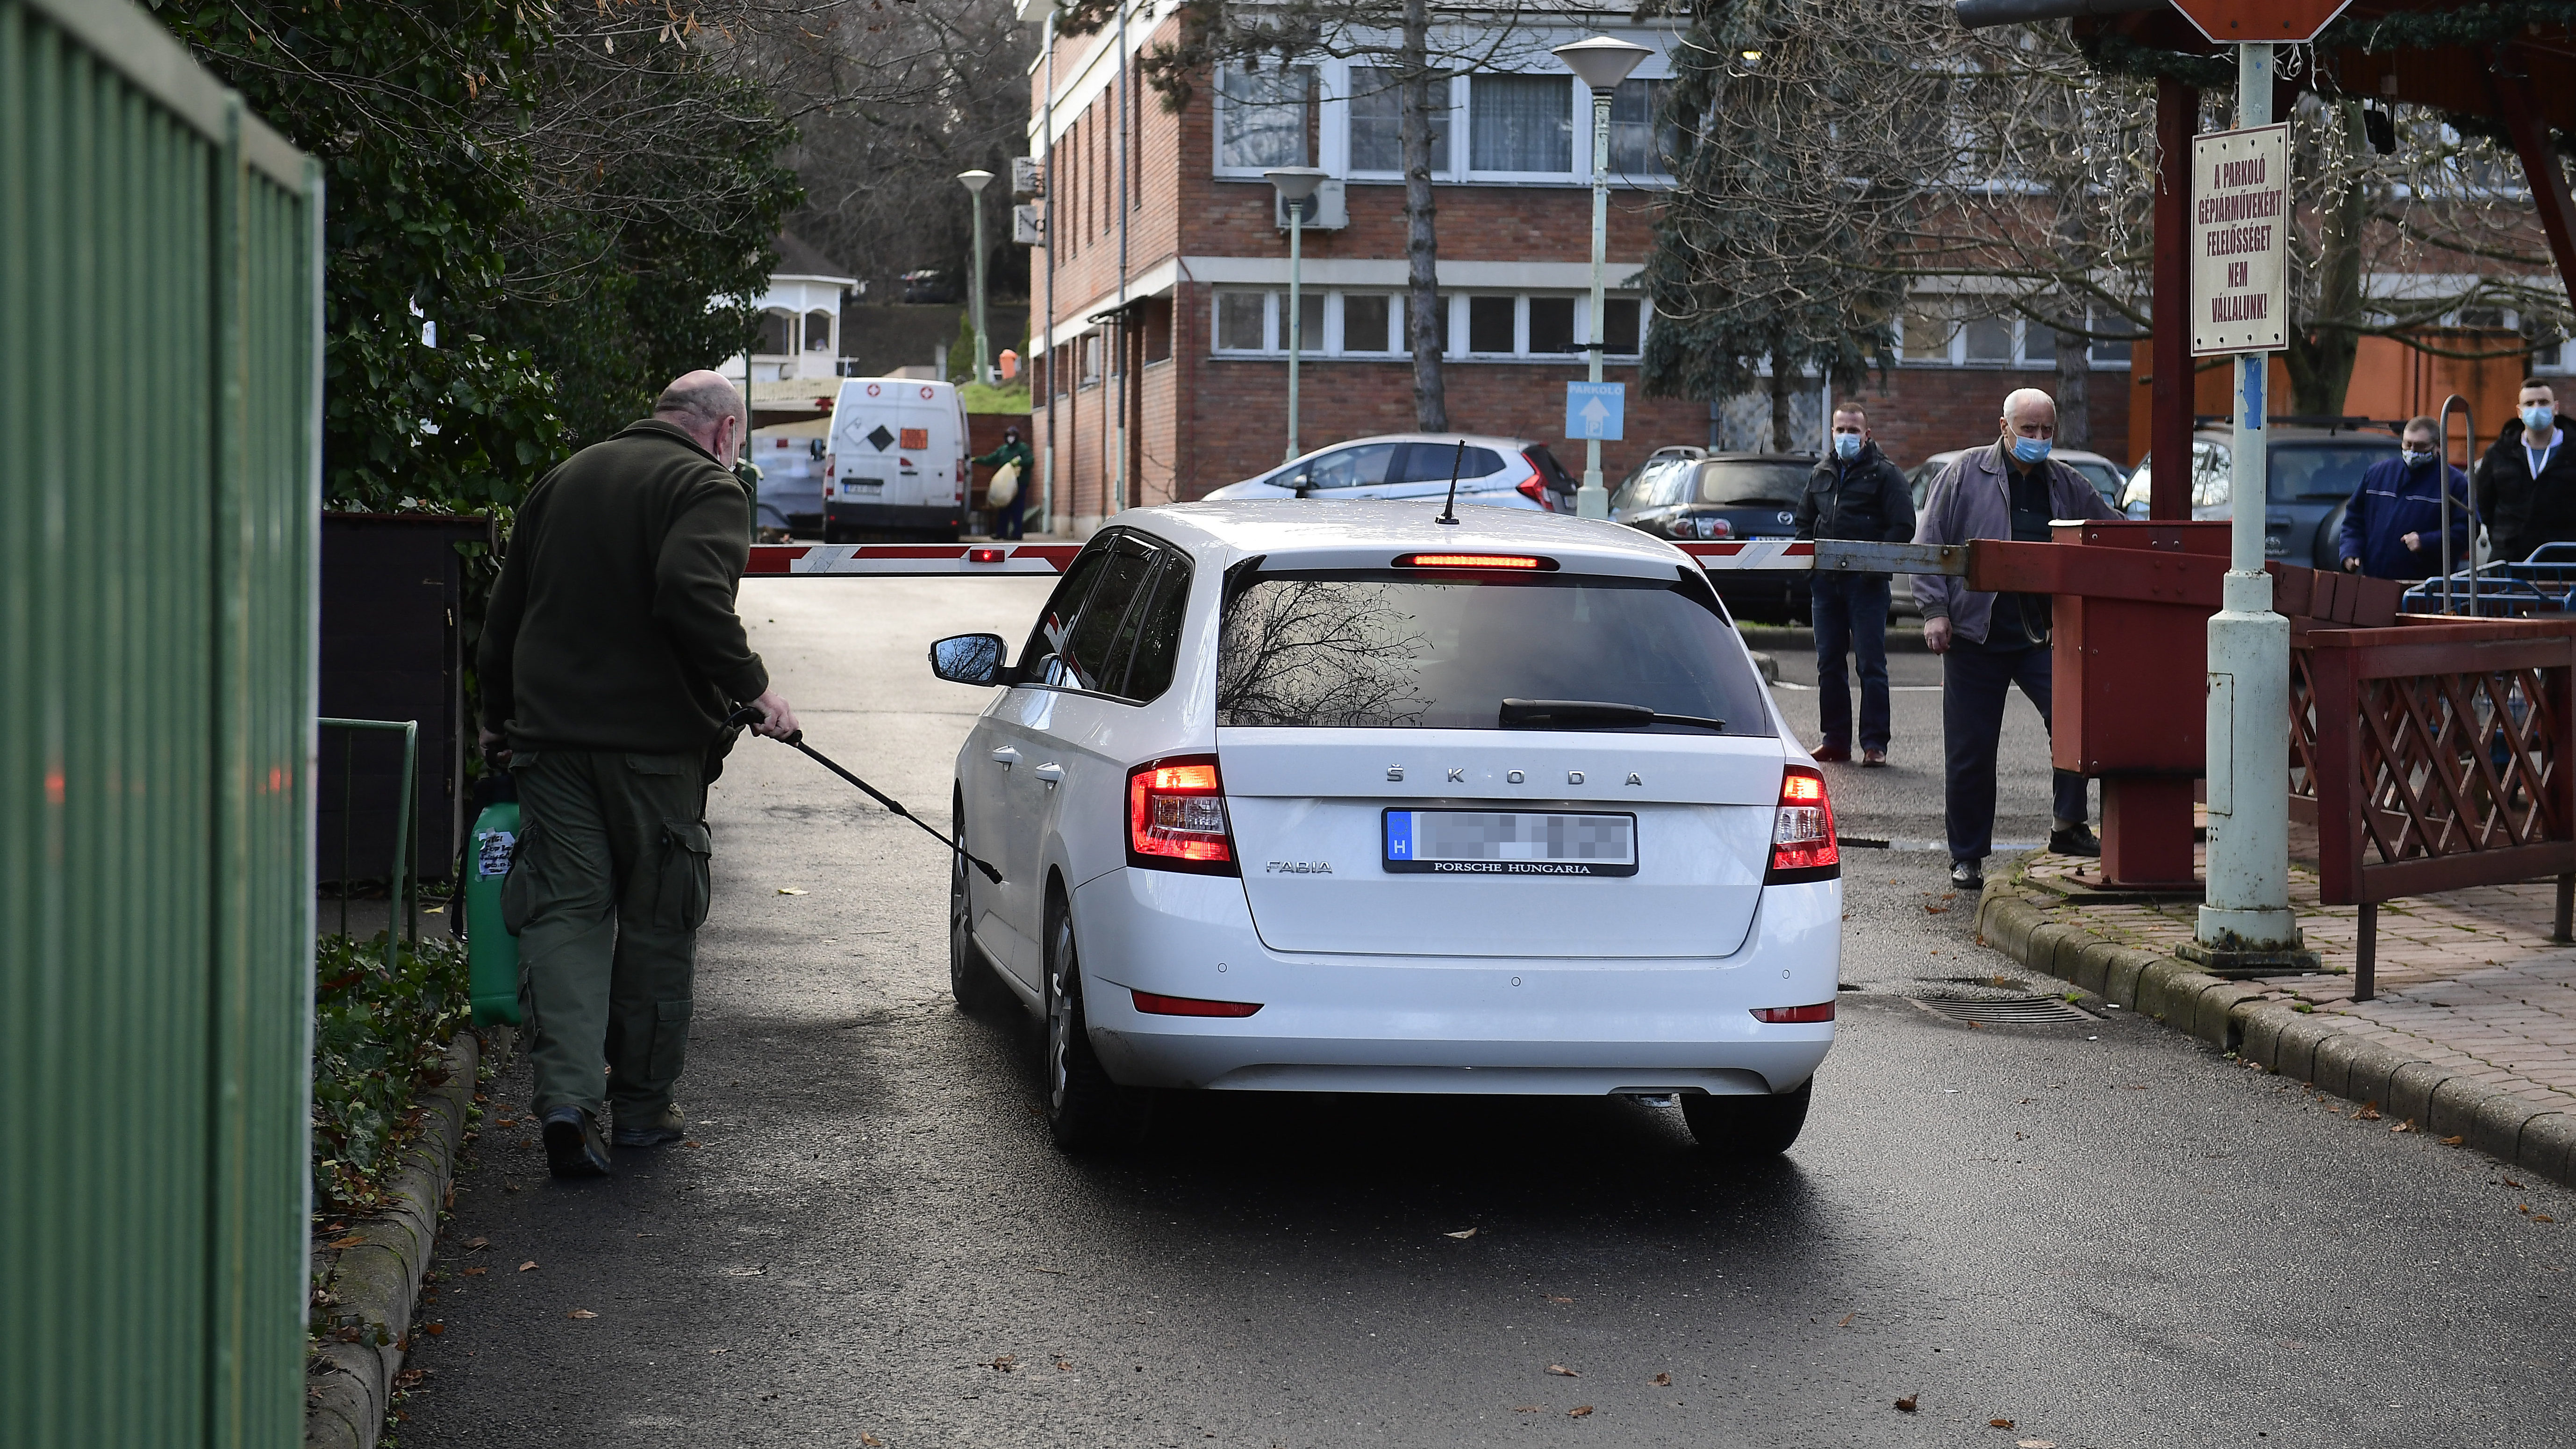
(610,659)
(1006,519)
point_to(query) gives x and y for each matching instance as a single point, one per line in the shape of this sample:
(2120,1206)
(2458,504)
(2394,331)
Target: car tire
(970,976)
(1085,1110)
(1748,1128)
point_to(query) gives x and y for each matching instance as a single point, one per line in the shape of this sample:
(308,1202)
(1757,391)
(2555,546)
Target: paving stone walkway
(2468,979)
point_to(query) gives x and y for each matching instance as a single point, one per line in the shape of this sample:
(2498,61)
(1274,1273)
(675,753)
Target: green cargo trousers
(606,892)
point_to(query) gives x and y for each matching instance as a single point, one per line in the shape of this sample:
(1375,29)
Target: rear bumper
(917,517)
(1542,1026)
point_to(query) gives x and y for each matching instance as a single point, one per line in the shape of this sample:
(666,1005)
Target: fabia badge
(1301,867)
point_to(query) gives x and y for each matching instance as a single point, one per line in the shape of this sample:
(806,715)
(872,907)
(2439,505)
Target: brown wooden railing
(2433,755)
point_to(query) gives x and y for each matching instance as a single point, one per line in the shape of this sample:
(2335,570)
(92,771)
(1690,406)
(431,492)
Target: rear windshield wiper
(1560,712)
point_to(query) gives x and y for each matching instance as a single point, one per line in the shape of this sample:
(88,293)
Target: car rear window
(2317,472)
(1558,480)
(1752,485)
(1388,650)
(1431,462)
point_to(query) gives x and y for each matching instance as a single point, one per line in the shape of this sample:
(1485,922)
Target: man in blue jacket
(2392,528)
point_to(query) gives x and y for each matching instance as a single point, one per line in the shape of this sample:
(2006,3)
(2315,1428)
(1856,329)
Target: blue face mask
(1847,445)
(2537,416)
(2030,450)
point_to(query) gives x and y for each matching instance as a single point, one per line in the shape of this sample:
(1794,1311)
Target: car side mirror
(971,659)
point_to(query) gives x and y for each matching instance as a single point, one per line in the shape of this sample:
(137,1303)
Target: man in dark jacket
(610,658)
(1990,642)
(2392,528)
(1855,492)
(2529,477)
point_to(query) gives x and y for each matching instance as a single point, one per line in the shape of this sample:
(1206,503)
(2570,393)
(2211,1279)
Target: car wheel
(1085,1110)
(970,976)
(1748,1127)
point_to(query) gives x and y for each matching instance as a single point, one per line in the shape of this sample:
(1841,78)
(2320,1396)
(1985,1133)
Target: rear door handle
(1051,772)
(1005,756)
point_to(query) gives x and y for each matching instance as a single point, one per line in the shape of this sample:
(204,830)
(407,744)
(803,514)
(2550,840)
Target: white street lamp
(1600,63)
(1295,185)
(976,181)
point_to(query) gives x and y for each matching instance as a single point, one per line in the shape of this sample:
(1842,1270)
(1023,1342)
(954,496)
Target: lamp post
(976,181)
(1600,63)
(1295,184)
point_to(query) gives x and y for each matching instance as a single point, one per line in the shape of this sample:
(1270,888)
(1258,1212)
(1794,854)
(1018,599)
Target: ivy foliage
(519,246)
(379,1041)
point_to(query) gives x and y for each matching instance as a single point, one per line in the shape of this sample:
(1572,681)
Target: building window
(818,331)
(1371,325)
(1264,117)
(777,334)
(1091,351)
(1522,124)
(1377,121)
(1937,339)
(1989,340)
(1638,146)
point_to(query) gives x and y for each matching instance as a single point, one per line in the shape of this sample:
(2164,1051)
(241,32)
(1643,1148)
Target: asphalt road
(2100,1230)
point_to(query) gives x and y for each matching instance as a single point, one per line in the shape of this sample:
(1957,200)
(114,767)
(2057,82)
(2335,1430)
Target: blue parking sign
(1596,410)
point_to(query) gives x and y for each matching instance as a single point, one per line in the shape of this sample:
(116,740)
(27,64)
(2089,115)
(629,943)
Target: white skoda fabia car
(1350,799)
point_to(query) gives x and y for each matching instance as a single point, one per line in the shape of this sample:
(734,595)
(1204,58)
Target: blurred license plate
(1510,842)
(863,488)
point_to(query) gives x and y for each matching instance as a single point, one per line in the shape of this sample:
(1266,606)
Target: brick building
(1161,368)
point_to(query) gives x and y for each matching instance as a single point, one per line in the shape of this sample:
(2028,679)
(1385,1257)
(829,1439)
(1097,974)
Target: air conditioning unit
(1028,224)
(1028,176)
(1324,211)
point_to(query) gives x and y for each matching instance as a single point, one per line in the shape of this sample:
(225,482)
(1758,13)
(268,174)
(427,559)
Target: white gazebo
(800,318)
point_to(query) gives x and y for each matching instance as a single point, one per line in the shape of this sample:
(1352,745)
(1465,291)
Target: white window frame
(1335,342)
(1335,132)
(1324,92)
(1957,353)
(1579,163)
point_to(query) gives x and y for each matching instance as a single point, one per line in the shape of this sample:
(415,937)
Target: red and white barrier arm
(888,560)
(881,560)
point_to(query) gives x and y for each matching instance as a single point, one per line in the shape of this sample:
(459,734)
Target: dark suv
(1722,496)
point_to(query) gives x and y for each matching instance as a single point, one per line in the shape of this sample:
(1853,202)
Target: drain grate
(2006,1010)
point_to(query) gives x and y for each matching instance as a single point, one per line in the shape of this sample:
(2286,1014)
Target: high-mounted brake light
(1803,847)
(1176,816)
(1153,1005)
(1516,561)
(1821,1011)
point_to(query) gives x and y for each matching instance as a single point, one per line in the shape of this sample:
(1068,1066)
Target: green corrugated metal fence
(159,402)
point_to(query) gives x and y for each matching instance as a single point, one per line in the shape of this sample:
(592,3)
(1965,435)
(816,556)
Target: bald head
(708,408)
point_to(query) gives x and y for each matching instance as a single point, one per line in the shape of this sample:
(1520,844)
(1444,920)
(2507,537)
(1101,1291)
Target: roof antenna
(1449,510)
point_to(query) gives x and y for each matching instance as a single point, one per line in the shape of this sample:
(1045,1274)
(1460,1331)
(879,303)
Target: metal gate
(160,255)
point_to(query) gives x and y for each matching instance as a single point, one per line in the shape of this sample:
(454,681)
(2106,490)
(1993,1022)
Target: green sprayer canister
(491,951)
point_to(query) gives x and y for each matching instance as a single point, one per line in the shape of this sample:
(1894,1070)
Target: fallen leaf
(581,1313)
(433,1329)
(789,891)
(871,1440)
(692,1142)
(1064,1365)
(476,1272)
(1999,1423)
(1552,1298)
(1906,1405)
(1579,1411)
(1558,1368)
(1663,1381)
(1847,1318)
(472,1243)
(2454,1140)
(1006,1363)
(2522,1207)
(2369,1112)
(350,1241)
(529,1266)
(2542,1218)
(2509,1182)
(1468,1233)
(1936,910)
(2406,1126)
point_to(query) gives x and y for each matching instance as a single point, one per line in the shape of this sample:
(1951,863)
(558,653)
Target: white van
(895,463)
(790,459)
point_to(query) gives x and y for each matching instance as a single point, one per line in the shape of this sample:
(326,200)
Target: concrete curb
(2314,1047)
(372,1286)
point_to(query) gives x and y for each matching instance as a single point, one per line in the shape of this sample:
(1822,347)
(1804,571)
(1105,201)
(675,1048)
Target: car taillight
(1802,831)
(831,462)
(1154,1005)
(1702,527)
(1176,816)
(1821,1011)
(1534,488)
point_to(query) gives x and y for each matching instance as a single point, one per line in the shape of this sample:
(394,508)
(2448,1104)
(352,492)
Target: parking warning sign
(2240,218)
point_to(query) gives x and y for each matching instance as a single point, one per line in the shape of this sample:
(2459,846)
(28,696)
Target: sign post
(2240,218)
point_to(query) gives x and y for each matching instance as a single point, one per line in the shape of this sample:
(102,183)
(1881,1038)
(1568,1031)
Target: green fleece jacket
(613,625)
